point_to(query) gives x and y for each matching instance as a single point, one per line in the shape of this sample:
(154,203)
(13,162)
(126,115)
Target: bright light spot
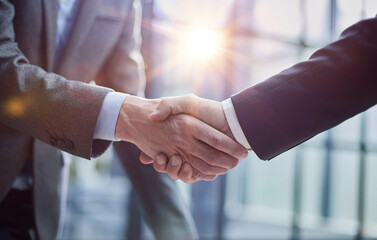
(15,107)
(201,43)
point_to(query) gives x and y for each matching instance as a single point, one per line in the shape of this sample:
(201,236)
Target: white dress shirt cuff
(234,125)
(108,116)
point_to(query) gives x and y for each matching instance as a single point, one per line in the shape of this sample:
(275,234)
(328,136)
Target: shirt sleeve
(108,116)
(234,125)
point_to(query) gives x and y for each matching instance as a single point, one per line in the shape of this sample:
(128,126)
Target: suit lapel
(86,14)
(50,8)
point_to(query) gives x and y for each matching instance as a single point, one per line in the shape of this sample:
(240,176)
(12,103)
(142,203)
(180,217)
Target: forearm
(336,83)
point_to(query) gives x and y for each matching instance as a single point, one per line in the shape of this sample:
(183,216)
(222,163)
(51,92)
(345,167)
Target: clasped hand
(190,131)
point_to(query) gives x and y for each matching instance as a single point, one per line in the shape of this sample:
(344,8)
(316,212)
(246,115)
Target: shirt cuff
(234,125)
(108,116)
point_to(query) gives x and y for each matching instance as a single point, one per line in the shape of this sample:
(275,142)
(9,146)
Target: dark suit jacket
(336,83)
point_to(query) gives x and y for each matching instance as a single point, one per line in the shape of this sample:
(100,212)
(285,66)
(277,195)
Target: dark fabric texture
(16,216)
(336,83)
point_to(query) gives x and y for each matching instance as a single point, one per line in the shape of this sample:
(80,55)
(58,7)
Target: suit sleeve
(124,68)
(44,105)
(336,83)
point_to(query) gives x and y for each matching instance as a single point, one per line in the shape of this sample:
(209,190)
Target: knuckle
(194,180)
(173,176)
(161,104)
(237,151)
(192,96)
(179,141)
(196,175)
(211,178)
(163,101)
(215,139)
(222,171)
(233,162)
(181,123)
(187,123)
(158,168)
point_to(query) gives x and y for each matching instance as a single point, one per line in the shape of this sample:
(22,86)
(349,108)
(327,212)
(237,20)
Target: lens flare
(15,107)
(201,43)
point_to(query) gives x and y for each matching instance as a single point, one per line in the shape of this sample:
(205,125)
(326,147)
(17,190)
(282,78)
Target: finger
(218,140)
(196,175)
(189,175)
(185,174)
(204,167)
(174,165)
(160,162)
(145,159)
(217,162)
(175,105)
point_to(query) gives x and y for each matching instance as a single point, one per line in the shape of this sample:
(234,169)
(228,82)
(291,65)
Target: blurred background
(323,189)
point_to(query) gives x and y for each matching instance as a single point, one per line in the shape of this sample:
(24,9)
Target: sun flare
(201,43)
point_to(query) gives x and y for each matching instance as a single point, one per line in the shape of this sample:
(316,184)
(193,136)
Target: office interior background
(323,189)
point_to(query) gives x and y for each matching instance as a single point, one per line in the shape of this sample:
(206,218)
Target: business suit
(37,104)
(336,83)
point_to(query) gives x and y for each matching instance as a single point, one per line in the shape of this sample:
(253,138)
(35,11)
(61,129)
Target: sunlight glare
(201,43)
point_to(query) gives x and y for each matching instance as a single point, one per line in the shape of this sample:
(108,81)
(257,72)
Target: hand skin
(208,111)
(210,151)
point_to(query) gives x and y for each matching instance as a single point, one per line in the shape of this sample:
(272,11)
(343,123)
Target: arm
(44,105)
(336,83)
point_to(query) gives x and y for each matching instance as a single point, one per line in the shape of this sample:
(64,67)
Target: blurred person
(336,83)
(42,44)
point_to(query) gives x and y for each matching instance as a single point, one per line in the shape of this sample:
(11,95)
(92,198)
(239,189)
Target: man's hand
(208,111)
(176,168)
(206,149)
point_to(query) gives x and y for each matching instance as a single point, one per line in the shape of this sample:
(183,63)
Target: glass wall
(323,189)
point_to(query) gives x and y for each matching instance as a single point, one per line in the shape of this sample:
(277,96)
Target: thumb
(162,111)
(175,105)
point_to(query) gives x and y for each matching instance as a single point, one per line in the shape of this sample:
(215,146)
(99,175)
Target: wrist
(233,123)
(133,114)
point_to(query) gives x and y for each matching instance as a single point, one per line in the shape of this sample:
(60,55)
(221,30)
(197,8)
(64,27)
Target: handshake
(188,137)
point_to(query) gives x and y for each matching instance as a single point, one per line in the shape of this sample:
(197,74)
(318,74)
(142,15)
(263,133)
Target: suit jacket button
(61,143)
(69,145)
(53,141)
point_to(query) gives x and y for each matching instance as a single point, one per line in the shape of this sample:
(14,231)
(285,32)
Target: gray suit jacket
(38,104)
